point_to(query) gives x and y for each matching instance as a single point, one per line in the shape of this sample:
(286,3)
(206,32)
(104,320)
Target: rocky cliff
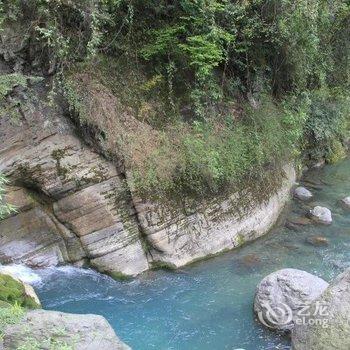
(75,203)
(75,206)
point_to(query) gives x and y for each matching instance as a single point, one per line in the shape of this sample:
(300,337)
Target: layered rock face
(71,202)
(180,236)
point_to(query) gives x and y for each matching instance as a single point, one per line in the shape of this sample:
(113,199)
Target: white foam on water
(42,275)
(24,273)
(72,270)
(56,275)
(69,271)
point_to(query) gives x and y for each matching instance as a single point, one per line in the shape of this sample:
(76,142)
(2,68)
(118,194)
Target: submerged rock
(346,202)
(51,329)
(249,261)
(321,215)
(328,325)
(302,193)
(283,293)
(296,223)
(302,221)
(317,240)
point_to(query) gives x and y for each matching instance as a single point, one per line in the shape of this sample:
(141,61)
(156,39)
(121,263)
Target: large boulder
(302,193)
(282,294)
(327,326)
(14,291)
(51,329)
(321,215)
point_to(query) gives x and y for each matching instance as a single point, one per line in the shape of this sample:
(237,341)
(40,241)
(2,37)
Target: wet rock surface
(317,241)
(14,291)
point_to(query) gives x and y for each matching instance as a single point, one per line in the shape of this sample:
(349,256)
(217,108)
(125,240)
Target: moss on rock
(13,292)
(119,276)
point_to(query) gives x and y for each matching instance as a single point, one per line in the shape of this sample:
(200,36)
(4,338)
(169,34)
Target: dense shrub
(327,126)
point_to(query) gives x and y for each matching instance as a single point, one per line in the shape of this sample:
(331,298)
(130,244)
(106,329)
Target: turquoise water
(209,305)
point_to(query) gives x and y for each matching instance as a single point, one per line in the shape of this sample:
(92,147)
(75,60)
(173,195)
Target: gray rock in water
(321,215)
(48,328)
(346,202)
(302,193)
(328,326)
(283,293)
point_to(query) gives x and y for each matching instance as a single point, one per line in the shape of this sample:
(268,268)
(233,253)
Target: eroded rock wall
(72,203)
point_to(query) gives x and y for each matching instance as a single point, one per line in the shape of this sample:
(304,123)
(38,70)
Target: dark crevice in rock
(92,136)
(146,244)
(46,204)
(76,238)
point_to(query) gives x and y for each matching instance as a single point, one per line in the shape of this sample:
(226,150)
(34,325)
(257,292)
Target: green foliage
(9,81)
(286,45)
(9,315)
(197,37)
(75,102)
(326,125)
(10,103)
(336,152)
(212,157)
(50,344)
(196,44)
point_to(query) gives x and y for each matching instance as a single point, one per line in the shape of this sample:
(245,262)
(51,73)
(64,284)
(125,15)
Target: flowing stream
(208,305)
